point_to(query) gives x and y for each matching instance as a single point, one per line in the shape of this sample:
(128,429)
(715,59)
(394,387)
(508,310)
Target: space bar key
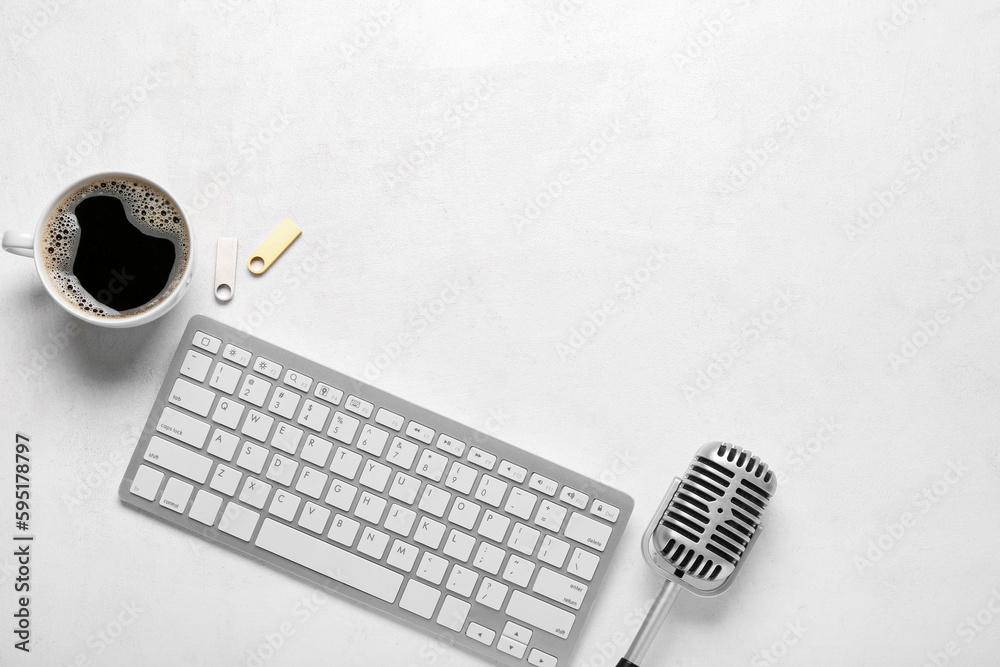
(328,560)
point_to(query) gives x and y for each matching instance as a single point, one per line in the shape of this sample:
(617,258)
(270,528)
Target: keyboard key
(434,501)
(373,543)
(314,415)
(419,432)
(492,593)
(481,634)
(314,518)
(183,427)
(255,492)
(560,588)
(370,508)
(491,490)
(489,558)
(239,521)
(252,458)
(402,556)
(446,443)
(464,513)
(400,520)
(286,438)
(282,469)
(538,658)
(605,511)
(343,428)
(372,440)
(461,478)
(462,581)
(553,551)
(257,425)
(419,598)
(404,488)
(459,545)
(587,531)
(523,538)
(516,632)
(583,564)
(298,380)
(254,390)
(206,342)
(540,614)
(329,560)
(205,508)
(494,526)
(573,497)
(146,483)
(237,355)
(550,516)
(345,462)
(267,367)
(543,484)
(432,568)
(388,419)
(226,480)
(341,496)
(317,451)
(311,482)
(284,505)
(520,503)
(344,530)
(431,465)
(453,613)
(359,407)
(375,475)
(429,533)
(512,472)
(223,445)
(325,392)
(511,647)
(177,459)
(482,459)
(401,453)
(518,571)
(228,413)
(196,365)
(225,378)
(283,402)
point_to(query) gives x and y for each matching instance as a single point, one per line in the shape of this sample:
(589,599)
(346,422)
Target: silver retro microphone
(703,530)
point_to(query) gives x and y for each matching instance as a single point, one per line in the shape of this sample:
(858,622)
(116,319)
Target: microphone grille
(708,524)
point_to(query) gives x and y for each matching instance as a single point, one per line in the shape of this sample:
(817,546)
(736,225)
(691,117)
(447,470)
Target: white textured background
(623,124)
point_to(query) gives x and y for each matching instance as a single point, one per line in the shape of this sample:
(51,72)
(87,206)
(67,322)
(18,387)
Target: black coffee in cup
(116,246)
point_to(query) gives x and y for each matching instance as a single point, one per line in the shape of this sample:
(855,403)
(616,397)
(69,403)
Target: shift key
(541,615)
(178,459)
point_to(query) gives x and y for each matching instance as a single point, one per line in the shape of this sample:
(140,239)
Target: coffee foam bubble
(150,209)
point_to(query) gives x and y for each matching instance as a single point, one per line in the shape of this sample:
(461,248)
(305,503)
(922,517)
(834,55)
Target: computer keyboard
(480,543)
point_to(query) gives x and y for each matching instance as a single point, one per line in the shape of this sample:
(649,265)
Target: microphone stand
(651,625)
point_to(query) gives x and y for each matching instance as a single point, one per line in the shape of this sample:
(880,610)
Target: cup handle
(18,243)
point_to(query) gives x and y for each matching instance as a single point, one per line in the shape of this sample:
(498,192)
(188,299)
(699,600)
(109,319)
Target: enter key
(560,588)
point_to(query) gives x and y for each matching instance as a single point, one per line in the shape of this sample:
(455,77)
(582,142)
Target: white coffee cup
(28,245)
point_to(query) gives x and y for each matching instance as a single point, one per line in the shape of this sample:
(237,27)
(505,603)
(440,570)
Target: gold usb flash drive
(272,247)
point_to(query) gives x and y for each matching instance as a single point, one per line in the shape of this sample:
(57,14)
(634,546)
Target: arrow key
(511,647)
(516,632)
(480,634)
